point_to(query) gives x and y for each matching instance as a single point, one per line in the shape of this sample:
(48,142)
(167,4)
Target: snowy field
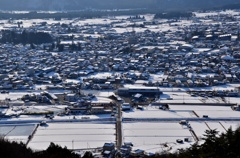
(211,111)
(18,94)
(178,97)
(160,76)
(221,126)
(152,136)
(229,124)
(216,125)
(14,95)
(183,111)
(73,135)
(155,112)
(183,97)
(219,114)
(199,128)
(226,12)
(18,133)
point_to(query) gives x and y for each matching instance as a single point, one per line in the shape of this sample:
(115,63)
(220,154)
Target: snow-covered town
(129,85)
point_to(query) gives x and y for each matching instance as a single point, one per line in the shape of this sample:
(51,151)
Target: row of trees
(25,37)
(19,150)
(172,15)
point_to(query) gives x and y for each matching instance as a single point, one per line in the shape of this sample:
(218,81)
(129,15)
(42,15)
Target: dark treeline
(25,37)
(111,4)
(229,6)
(19,150)
(171,15)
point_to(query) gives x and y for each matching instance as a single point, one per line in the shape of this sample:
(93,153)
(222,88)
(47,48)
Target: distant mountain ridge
(111,4)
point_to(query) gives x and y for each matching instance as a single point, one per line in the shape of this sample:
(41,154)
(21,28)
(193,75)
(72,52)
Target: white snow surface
(73,135)
(151,137)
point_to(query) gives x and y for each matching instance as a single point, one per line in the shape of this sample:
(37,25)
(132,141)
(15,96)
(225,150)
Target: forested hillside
(216,145)
(112,4)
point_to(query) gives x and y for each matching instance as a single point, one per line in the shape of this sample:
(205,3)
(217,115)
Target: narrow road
(117,119)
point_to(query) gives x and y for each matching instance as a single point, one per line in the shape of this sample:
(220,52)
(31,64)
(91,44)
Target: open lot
(210,111)
(155,112)
(18,133)
(153,136)
(230,124)
(73,135)
(183,97)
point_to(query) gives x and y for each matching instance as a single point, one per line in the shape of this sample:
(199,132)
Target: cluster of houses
(200,54)
(126,150)
(200,51)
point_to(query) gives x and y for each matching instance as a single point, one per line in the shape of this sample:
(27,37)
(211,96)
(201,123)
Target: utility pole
(119,127)
(72,144)
(183,99)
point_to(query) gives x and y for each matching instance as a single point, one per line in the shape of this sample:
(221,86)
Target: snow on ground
(226,12)
(179,97)
(216,88)
(35,109)
(199,128)
(28,23)
(155,112)
(103,98)
(199,108)
(175,148)
(217,126)
(73,81)
(122,20)
(140,82)
(17,133)
(183,89)
(43,87)
(94,21)
(229,124)
(211,111)
(233,100)
(101,75)
(183,111)
(157,77)
(155,28)
(183,97)
(18,94)
(29,118)
(100,93)
(12,95)
(73,135)
(39,118)
(152,136)
(219,113)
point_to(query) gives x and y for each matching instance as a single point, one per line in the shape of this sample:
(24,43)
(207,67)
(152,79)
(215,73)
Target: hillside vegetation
(19,150)
(216,145)
(111,4)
